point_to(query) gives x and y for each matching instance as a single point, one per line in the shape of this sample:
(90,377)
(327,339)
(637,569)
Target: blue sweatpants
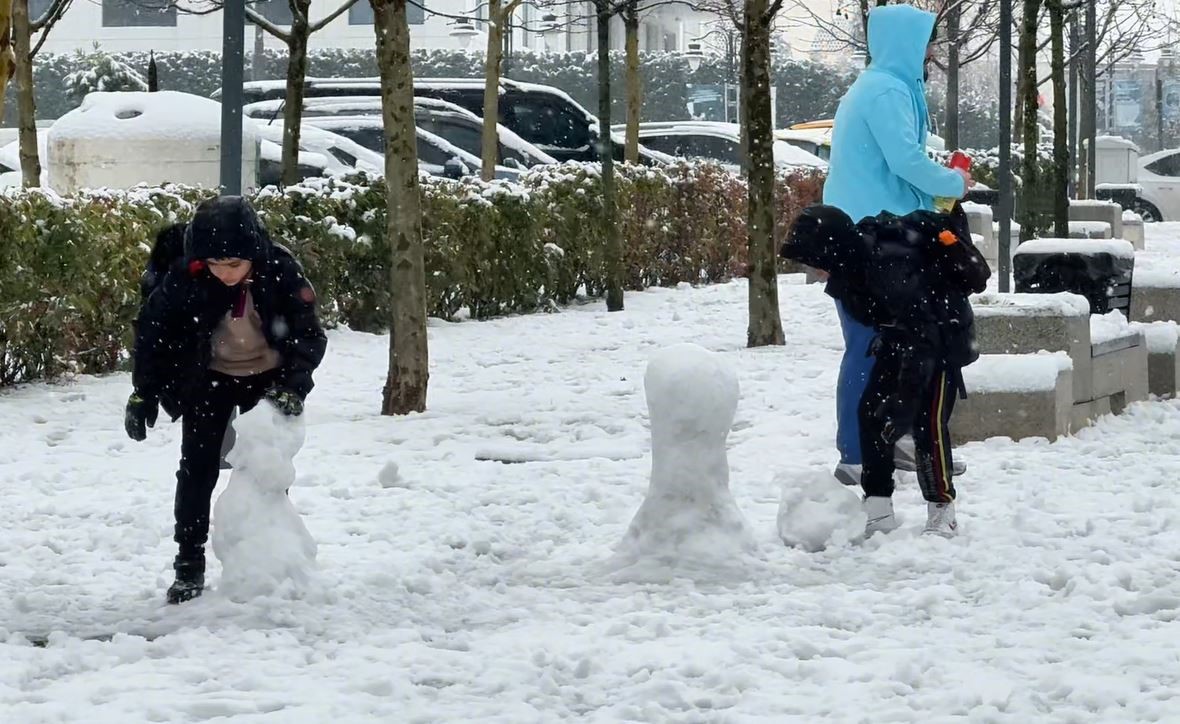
(855,369)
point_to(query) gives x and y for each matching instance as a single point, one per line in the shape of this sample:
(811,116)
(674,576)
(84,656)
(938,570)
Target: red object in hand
(960,161)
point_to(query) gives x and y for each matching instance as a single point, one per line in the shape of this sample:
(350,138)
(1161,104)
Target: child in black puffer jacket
(909,278)
(229,319)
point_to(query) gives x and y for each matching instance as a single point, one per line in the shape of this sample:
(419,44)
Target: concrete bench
(1015,396)
(1156,293)
(1092,210)
(1163,362)
(1089,230)
(1133,230)
(1109,361)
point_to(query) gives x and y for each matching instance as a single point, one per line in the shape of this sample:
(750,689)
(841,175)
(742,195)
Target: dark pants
(930,428)
(204,428)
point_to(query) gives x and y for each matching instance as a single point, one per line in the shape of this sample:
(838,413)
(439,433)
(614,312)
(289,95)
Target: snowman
(258,535)
(688,519)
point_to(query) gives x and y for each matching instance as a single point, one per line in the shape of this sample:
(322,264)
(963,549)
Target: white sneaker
(879,512)
(940,520)
(847,474)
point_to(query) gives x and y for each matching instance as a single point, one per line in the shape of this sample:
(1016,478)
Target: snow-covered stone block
(1082,211)
(689,519)
(1090,230)
(1133,230)
(1008,324)
(1155,292)
(1163,362)
(1015,396)
(258,535)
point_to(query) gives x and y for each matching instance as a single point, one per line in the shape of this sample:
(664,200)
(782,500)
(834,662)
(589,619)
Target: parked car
(544,116)
(434,151)
(359,118)
(1158,197)
(714,141)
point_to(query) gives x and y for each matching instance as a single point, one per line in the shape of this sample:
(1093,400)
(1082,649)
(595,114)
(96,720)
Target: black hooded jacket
(895,274)
(174,331)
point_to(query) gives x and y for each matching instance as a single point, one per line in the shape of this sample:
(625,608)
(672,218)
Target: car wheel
(1148,211)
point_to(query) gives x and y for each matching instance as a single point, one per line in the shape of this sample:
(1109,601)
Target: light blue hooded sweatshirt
(879,163)
(879,160)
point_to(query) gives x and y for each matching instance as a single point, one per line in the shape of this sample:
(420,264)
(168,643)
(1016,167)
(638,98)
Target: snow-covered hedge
(68,285)
(806,91)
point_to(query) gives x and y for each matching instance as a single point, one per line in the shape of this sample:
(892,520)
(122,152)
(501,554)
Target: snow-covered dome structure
(119,140)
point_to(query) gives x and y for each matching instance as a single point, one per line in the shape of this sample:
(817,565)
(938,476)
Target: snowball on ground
(816,511)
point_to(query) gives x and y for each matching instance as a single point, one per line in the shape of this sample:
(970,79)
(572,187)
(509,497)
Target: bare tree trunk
(7,57)
(490,141)
(1060,121)
(951,132)
(765,326)
(1029,203)
(296,75)
(606,152)
(409,361)
(26,102)
(634,82)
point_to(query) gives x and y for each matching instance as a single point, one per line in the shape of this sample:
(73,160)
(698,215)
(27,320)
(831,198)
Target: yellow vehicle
(815,137)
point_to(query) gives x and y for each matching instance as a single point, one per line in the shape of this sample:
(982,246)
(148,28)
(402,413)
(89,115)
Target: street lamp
(694,55)
(548,28)
(464,31)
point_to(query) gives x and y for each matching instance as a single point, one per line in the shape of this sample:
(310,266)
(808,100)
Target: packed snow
(1119,248)
(258,535)
(464,590)
(1016,372)
(1065,304)
(817,512)
(689,521)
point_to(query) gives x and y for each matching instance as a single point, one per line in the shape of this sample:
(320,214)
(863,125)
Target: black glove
(286,401)
(140,414)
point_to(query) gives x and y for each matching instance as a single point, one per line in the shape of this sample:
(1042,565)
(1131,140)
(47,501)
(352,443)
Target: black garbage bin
(1098,269)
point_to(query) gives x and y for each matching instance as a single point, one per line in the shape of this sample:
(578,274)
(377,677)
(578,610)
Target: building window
(276,11)
(361,13)
(137,14)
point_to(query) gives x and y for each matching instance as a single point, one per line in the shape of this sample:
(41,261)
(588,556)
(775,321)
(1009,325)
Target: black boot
(190,576)
(190,562)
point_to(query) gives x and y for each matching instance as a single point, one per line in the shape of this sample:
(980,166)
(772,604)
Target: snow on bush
(69,285)
(816,512)
(258,535)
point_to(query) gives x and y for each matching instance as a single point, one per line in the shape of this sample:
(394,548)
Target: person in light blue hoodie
(879,163)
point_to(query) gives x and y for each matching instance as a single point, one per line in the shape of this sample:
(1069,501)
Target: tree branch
(267,25)
(45,24)
(343,8)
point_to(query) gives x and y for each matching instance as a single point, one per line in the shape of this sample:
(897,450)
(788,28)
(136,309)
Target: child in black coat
(232,321)
(909,278)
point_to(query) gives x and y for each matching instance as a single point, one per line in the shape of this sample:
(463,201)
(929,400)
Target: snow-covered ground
(454,588)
